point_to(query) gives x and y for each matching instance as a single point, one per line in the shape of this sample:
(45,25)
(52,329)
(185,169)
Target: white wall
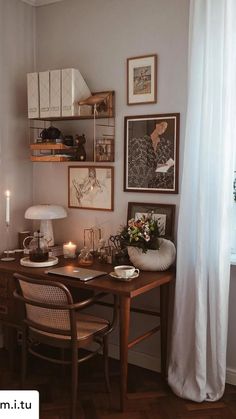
(97,37)
(17,58)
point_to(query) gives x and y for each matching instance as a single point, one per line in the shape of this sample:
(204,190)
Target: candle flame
(7,193)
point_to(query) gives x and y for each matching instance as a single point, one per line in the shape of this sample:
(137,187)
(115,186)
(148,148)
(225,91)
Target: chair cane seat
(52,319)
(87,326)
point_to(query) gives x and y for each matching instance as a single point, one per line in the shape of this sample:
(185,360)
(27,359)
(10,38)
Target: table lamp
(46,213)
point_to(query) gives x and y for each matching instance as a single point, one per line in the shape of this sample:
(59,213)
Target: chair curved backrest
(51,317)
(48,305)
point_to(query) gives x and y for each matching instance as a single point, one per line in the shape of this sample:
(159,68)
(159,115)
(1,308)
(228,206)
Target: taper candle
(7,194)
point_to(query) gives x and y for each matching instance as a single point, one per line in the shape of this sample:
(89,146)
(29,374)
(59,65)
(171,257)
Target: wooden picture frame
(151,153)
(142,79)
(91,187)
(164,213)
(104,149)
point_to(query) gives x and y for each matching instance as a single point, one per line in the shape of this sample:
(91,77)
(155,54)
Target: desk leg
(124,336)
(164,303)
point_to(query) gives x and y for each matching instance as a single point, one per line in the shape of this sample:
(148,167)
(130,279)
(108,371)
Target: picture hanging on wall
(91,187)
(151,153)
(142,80)
(163,213)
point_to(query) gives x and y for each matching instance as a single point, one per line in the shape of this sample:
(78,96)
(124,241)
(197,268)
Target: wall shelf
(51,148)
(100,135)
(51,158)
(107,112)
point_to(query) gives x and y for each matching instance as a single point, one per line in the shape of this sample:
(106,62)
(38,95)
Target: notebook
(76,272)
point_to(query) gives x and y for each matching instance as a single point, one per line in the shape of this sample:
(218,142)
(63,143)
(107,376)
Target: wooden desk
(126,291)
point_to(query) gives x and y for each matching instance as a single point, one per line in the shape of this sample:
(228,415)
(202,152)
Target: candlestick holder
(8,258)
(91,238)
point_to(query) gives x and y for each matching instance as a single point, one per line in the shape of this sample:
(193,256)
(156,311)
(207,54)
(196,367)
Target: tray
(52,260)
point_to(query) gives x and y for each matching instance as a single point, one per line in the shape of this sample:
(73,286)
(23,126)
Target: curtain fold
(198,351)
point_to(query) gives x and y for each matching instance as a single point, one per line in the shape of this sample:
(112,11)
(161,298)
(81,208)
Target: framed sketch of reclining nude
(151,153)
(91,187)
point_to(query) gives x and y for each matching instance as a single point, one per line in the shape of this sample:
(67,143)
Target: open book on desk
(163,168)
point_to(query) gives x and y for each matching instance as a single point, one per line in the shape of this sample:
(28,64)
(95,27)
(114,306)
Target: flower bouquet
(142,233)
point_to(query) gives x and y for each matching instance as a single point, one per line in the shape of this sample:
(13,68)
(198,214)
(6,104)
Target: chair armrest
(85,303)
(92,300)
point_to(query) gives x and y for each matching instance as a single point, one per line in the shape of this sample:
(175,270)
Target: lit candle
(7,194)
(69,250)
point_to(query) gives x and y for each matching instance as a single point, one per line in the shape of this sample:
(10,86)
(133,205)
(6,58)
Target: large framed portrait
(151,162)
(142,79)
(163,213)
(91,187)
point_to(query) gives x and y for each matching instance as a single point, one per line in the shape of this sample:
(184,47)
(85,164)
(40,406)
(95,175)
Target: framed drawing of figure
(151,153)
(91,187)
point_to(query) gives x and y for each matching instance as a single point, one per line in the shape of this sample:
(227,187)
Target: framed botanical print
(151,153)
(142,79)
(91,187)
(163,213)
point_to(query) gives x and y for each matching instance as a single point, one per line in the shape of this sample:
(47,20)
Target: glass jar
(85,257)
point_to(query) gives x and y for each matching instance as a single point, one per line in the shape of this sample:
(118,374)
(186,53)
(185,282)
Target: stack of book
(56,250)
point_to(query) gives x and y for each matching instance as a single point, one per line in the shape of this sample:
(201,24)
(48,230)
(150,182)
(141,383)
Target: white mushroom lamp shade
(46,213)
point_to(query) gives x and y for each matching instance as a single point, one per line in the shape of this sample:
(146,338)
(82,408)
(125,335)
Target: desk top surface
(145,282)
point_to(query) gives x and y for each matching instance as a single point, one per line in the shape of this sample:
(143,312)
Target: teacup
(125,271)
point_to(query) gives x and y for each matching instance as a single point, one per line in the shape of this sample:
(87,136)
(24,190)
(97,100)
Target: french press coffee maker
(37,247)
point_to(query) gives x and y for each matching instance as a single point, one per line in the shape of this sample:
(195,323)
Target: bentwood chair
(52,318)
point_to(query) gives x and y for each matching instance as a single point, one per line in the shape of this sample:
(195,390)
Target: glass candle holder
(69,250)
(85,257)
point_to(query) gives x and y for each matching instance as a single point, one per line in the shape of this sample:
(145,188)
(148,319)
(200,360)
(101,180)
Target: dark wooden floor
(149,397)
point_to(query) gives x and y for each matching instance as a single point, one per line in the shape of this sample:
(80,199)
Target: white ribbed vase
(153,260)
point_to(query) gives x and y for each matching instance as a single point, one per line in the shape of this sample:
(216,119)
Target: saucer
(120,278)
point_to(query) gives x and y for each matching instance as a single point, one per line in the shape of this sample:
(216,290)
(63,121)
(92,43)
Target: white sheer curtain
(198,352)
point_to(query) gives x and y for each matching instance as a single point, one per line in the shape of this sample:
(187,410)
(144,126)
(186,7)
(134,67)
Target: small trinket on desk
(85,257)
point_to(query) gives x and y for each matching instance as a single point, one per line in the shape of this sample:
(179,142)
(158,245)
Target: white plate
(120,278)
(52,260)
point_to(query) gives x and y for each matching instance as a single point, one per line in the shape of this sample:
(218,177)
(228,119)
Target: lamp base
(46,229)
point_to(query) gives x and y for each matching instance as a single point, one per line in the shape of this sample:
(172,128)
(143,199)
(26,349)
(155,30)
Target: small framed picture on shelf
(104,149)
(151,153)
(91,187)
(163,213)
(142,79)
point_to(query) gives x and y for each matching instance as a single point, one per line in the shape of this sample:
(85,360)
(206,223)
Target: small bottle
(101,244)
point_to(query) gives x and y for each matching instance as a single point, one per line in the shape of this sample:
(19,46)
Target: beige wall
(97,36)
(17,58)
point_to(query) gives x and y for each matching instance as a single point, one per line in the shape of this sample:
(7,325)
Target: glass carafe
(37,247)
